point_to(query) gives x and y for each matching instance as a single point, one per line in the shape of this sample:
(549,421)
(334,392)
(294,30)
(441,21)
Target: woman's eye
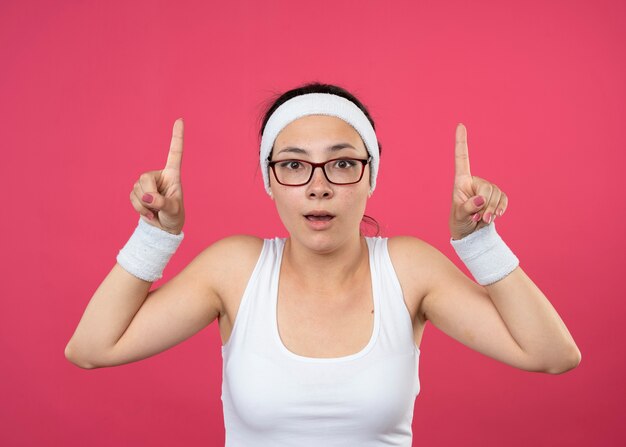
(290,164)
(343,164)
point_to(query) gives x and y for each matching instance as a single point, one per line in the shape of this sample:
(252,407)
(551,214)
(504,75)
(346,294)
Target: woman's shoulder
(418,266)
(237,247)
(414,256)
(231,254)
(229,261)
(410,246)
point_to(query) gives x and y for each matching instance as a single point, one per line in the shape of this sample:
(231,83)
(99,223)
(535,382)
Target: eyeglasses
(338,171)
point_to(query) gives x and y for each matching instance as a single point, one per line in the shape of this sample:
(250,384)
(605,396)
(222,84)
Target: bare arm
(534,323)
(119,327)
(121,298)
(108,314)
(510,320)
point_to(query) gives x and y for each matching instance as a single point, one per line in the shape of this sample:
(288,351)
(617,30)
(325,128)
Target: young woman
(321,330)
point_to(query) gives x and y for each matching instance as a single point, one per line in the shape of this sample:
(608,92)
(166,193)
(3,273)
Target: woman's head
(342,143)
(317,99)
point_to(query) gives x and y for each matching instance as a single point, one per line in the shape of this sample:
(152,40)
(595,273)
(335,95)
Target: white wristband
(148,251)
(486,255)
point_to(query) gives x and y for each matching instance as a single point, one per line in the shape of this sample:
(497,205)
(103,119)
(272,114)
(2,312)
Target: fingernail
(149,216)
(478,201)
(476,217)
(500,211)
(147,198)
(487,217)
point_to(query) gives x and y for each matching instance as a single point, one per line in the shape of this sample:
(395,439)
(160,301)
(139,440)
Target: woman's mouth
(318,218)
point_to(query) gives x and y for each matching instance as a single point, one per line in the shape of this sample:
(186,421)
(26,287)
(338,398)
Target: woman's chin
(320,242)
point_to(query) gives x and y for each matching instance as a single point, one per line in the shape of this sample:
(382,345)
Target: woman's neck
(332,270)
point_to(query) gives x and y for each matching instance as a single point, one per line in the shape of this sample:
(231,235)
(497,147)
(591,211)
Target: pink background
(88,95)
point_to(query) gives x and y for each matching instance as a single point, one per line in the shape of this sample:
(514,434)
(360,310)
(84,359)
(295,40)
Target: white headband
(319,104)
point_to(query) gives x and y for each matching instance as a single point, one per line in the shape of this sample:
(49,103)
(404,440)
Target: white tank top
(274,397)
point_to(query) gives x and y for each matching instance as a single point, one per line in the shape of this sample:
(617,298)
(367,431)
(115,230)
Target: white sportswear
(274,397)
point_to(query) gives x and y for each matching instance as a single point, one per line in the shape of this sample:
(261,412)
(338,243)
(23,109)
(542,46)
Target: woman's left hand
(475,201)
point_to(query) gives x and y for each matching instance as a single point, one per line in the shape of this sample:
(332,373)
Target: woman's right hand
(158,195)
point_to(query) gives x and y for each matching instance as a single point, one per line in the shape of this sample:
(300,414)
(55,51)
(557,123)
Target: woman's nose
(319,186)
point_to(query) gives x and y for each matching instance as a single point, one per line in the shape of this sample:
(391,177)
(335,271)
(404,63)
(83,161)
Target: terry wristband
(148,251)
(486,255)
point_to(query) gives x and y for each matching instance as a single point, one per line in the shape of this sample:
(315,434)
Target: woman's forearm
(534,323)
(107,316)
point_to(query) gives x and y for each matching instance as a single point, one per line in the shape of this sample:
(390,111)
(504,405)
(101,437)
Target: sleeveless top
(274,397)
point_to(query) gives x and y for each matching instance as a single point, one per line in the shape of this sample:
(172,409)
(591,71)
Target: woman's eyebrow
(333,148)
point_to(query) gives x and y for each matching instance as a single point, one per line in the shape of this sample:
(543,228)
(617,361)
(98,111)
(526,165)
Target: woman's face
(318,138)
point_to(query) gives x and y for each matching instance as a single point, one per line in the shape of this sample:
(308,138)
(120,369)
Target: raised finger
(175,155)
(461,153)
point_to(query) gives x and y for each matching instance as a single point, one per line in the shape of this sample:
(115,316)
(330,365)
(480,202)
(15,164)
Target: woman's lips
(319,222)
(315,218)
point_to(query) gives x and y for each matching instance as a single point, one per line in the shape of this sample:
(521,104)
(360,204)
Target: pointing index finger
(461,154)
(175,156)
